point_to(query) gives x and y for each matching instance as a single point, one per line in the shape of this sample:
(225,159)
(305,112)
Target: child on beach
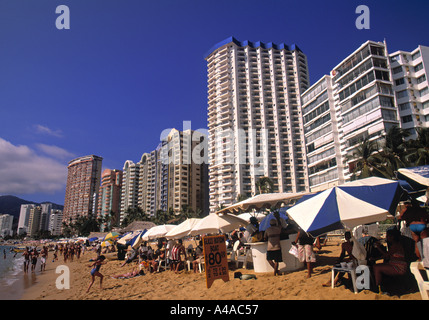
(96,271)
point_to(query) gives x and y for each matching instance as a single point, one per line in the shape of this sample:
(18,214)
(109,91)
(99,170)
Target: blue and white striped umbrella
(335,209)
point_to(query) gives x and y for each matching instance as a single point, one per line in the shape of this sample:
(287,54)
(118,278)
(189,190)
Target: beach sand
(167,285)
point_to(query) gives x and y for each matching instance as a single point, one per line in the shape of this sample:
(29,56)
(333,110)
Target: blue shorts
(417,228)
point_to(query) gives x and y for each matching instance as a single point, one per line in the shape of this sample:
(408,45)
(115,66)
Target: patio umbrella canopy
(263,201)
(183,229)
(417,176)
(334,209)
(158,231)
(247,215)
(213,223)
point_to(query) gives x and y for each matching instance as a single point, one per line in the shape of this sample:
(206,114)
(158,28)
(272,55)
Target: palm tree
(367,161)
(418,150)
(265,185)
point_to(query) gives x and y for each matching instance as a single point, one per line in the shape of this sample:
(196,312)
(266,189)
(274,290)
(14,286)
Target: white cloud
(55,151)
(45,130)
(23,171)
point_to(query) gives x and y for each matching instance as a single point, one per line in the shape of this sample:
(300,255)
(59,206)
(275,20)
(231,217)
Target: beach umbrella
(213,223)
(158,231)
(106,243)
(263,201)
(417,177)
(265,223)
(381,192)
(137,240)
(247,215)
(183,229)
(334,209)
(93,239)
(111,236)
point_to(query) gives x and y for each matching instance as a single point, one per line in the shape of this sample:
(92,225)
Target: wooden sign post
(215,258)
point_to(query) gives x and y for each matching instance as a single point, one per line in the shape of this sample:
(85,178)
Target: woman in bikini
(96,271)
(395,264)
(416,218)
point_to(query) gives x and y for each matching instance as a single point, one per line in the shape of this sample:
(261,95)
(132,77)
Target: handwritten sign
(216,259)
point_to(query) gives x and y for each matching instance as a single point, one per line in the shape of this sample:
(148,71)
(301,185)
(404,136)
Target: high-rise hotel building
(355,102)
(254,118)
(83,183)
(109,199)
(410,79)
(167,178)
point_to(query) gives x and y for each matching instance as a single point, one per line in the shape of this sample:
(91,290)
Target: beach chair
(238,256)
(163,264)
(416,268)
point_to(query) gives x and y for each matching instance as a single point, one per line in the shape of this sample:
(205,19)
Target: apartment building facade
(254,118)
(83,183)
(163,181)
(355,102)
(109,200)
(410,81)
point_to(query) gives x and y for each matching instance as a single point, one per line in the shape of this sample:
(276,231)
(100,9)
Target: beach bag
(294,251)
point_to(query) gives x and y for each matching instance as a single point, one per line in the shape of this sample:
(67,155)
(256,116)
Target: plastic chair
(237,257)
(416,267)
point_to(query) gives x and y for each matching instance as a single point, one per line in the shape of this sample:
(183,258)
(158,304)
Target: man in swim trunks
(43,257)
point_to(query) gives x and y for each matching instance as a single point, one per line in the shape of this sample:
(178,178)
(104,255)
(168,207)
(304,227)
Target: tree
(418,149)
(265,185)
(367,161)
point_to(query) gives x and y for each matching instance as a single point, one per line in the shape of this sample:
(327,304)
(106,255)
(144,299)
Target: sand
(167,285)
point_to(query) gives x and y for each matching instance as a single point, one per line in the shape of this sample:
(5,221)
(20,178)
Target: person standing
(274,251)
(305,250)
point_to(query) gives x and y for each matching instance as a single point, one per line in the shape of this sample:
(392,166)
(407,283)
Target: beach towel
(358,250)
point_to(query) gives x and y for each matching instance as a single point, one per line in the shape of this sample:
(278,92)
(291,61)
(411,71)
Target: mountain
(12,205)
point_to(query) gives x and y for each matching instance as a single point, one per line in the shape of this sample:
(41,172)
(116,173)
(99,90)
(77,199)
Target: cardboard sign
(215,258)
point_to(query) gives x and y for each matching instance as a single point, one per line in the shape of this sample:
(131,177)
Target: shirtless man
(44,256)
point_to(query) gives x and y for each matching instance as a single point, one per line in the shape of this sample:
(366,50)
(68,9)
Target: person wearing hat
(274,251)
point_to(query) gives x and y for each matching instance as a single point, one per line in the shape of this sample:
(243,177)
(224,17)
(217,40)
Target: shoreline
(185,285)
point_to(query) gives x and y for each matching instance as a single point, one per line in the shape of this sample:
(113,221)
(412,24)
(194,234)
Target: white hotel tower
(355,102)
(254,118)
(409,70)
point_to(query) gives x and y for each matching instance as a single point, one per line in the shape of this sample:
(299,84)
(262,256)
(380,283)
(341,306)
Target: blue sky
(127,70)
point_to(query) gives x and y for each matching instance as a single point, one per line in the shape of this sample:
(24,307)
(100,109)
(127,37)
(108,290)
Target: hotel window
(425,104)
(394,58)
(418,67)
(399,81)
(401,94)
(421,79)
(406,119)
(416,55)
(424,91)
(404,106)
(397,70)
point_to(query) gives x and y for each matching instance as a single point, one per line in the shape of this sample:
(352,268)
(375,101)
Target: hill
(12,205)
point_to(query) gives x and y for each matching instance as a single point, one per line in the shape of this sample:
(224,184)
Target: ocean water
(11,268)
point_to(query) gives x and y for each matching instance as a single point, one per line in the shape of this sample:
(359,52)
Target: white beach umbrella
(183,229)
(213,223)
(246,216)
(157,231)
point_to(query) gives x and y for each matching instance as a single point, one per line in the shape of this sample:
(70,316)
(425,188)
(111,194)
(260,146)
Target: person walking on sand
(34,256)
(96,271)
(26,255)
(305,250)
(43,258)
